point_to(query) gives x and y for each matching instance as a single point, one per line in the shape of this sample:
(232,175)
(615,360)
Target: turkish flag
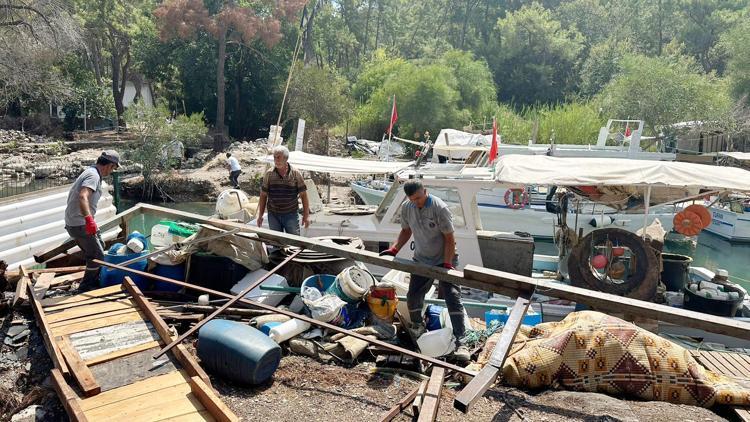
(394,116)
(493,148)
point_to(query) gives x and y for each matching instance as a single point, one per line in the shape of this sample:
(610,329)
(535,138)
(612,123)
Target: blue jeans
(288,222)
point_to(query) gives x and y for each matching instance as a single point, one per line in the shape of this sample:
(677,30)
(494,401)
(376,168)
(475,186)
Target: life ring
(511,196)
(702,212)
(687,223)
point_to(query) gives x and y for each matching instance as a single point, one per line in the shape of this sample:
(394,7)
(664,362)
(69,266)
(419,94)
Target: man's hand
(448,266)
(259,221)
(91,228)
(306,221)
(392,251)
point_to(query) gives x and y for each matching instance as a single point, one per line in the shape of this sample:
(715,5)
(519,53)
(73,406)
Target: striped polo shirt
(283,191)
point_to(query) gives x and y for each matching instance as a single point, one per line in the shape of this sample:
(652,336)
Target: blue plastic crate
(531,318)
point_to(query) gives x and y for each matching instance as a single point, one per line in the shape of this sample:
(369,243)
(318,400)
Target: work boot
(462,354)
(415,331)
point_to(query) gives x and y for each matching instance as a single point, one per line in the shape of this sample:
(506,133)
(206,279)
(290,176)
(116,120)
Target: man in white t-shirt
(234,171)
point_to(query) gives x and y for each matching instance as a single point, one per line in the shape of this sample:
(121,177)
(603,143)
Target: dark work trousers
(418,288)
(233,176)
(92,247)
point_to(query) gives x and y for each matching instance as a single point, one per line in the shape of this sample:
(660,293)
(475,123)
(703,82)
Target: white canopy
(524,170)
(739,156)
(323,164)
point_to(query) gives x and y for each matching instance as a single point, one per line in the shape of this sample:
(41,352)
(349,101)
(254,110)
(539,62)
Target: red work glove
(448,266)
(392,251)
(90,225)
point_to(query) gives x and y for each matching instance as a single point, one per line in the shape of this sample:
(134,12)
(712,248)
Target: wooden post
(431,402)
(487,376)
(401,405)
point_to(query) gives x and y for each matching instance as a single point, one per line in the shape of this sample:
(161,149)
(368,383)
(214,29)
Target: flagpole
(390,130)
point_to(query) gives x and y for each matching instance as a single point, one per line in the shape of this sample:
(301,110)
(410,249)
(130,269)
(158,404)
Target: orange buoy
(618,251)
(687,223)
(702,212)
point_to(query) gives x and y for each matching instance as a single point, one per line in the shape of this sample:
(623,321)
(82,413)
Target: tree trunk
(308,52)
(220,94)
(366,37)
(119,75)
(377,28)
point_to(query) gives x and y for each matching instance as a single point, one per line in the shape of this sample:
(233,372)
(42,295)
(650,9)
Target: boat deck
(734,365)
(102,344)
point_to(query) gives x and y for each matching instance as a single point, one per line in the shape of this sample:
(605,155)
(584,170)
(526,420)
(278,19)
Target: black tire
(641,285)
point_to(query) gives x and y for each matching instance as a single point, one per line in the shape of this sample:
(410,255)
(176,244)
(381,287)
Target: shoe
(416,331)
(462,354)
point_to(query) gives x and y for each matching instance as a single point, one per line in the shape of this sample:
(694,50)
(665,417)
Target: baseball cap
(112,156)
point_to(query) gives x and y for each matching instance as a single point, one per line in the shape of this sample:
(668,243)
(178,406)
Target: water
(711,251)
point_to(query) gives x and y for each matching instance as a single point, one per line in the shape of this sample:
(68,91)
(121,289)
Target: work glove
(392,251)
(448,266)
(91,225)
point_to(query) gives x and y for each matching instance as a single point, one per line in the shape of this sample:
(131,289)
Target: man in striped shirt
(279,191)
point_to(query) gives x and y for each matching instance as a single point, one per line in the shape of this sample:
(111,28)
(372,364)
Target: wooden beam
(401,405)
(68,398)
(67,278)
(78,368)
(431,402)
(229,303)
(182,355)
(44,327)
(21,294)
(315,322)
(406,265)
(417,403)
(211,401)
(42,285)
(612,303)
(60,270)
(487,376)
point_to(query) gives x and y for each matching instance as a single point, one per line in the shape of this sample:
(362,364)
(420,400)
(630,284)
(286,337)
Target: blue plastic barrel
(432,317)
(321,282)
(111,276)
(175,272)
(237,351)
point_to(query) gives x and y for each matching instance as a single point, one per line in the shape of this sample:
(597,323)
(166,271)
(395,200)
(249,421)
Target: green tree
(319,96)
(737,44)
(475,86)
(536,58)
(227,21)
(663,92)
(602,64)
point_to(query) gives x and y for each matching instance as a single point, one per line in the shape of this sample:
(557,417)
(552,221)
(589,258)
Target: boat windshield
(386,202)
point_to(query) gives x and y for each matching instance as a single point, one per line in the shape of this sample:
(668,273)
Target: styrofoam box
(266,297)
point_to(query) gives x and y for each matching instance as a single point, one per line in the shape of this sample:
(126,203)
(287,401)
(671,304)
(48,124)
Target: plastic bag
(328,308)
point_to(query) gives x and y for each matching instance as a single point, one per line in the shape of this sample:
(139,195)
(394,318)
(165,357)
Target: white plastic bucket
(287,330)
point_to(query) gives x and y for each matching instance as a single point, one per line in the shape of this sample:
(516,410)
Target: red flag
(493,148)
(627,131)
(394,116)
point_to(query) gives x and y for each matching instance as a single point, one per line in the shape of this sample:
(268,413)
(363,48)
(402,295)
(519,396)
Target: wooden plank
(185,358)
(431,402)
(132,368)
(401,405)
(74,277)
(78,369)
(165,403)
(708,361)
(743,367)
(743,357)
(101,341)
(21,295)
(78,327)
(47,336)
(485,279)
(417,404)
(122,352)
(195,416)
(92,317)
(106,291)
(68,398)
(211,401)
(732,368)
(95,309)
(42,285)
(487,376)
(95,301)
(60,270)
(136,389)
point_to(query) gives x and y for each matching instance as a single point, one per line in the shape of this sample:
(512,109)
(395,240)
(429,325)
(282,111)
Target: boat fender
(516,198)
(602,221)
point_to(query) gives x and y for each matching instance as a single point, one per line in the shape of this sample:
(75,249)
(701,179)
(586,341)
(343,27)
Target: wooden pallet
(102,344)
(735,365)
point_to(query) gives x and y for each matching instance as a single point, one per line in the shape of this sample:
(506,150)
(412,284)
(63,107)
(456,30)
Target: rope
(289,77)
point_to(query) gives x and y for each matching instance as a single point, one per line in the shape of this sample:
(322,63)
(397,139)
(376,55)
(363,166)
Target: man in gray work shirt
(430,221)
(79,214)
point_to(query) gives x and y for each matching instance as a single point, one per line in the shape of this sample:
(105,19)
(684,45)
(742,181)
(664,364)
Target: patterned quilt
(594,352)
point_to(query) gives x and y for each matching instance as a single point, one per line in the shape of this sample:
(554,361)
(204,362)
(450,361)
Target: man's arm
(403,236)
(305,209)
(449,250)
(261,208)
(83,200)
